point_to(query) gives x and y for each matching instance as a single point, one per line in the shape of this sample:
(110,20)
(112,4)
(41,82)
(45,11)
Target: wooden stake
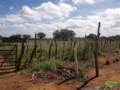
(97,50)
(76,62)
(96,59)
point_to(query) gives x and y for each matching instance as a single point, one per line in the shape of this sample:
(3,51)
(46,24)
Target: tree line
(63,34)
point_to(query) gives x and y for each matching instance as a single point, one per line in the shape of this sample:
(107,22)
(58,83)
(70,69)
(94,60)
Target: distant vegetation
(60,47)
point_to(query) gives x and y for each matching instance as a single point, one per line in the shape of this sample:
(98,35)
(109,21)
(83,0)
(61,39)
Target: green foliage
(46,65)
(68,54)
(41,35)
(63,34)
(26,36)
(56,34)
(111,84)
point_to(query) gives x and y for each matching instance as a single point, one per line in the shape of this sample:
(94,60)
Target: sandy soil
(16,81)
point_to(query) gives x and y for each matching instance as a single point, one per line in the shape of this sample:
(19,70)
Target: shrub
(68,55)
(46,65)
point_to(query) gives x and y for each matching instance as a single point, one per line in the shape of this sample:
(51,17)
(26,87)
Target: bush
(46,65)
(41,54)
(68,55)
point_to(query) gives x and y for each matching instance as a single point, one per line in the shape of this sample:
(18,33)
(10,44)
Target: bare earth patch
(16,81)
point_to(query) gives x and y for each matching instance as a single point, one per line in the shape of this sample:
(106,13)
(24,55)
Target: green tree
(41,35)
(16,36)
(63,34)
(92,36)
(0,37)
(66,34)
(26,36)
(56,35)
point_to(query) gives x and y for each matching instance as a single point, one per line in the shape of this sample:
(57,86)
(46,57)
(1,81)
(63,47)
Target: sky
(81,16)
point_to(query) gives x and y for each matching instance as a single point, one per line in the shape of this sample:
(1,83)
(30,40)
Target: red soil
(16,81)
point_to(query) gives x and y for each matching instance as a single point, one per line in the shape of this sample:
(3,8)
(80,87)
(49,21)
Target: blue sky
(30,16)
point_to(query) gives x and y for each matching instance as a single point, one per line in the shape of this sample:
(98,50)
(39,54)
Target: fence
(8,57)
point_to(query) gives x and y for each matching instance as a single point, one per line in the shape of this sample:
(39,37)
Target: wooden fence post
(96,59)
(18,63)
(76,63)
(97,50)
(35,44)
(50,48)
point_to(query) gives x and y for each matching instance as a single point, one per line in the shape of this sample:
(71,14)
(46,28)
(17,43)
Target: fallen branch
(65,80)
(86,82)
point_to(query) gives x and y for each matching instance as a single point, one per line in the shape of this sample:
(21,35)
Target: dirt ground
(111,72)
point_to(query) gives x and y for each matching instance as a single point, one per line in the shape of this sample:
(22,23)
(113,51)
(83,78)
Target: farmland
(59,44)
(62,63)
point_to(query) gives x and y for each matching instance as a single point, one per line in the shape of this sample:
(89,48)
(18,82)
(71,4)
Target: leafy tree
(66,34)
(41,35)
(16,36)
(117,37)
(92,36)
(56,34)
(26,36)
(0,37)
(63,34)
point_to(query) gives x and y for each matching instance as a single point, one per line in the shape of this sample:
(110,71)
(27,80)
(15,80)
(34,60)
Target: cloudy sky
(82,16)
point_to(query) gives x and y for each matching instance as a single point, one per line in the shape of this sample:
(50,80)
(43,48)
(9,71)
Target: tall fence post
(96,59)
(97,50)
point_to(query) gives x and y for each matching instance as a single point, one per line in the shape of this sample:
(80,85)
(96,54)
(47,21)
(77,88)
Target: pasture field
(55,60)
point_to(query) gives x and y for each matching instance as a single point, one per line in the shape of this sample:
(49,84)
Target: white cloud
(109,18)
(50,10)
(47,10)
(11,24)
(90,2)
(86,1)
